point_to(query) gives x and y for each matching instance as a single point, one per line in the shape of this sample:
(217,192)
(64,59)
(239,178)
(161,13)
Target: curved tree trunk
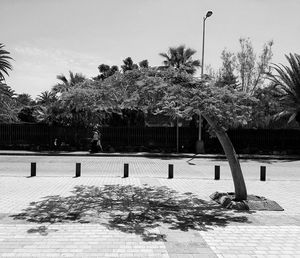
(236,171)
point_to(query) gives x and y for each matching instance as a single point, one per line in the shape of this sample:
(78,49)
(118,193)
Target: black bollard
(171,171)
(262,173)
(126,170)
(78,170)
(33,169)
(217,172)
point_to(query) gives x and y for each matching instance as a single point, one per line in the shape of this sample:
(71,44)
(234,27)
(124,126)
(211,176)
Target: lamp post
(208,14)
(200,143)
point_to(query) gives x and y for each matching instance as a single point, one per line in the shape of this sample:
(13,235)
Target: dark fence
(156,139)
(266,141)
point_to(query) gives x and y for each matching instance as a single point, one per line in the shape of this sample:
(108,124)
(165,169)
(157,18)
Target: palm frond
(181,58)
(5,65)
(287,80)
(62,78)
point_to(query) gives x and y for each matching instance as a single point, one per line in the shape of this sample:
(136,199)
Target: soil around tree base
(253,202)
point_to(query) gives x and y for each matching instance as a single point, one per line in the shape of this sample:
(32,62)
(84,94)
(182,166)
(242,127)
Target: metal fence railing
(31,136)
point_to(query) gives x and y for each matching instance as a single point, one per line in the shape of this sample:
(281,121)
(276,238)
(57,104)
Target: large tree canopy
(175,93)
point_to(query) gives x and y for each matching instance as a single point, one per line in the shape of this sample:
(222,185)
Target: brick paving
(234,234)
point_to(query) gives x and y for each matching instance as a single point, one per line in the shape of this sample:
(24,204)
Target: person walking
(99,144)
(96,143)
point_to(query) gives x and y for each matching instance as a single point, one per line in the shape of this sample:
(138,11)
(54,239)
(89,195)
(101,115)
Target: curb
(149,155)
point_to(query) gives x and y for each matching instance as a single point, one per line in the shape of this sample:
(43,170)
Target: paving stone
(241,234)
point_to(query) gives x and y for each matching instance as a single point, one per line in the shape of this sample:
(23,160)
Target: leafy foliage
(106,71)
(181,58)
(172,92)
(8,109)
(244,66)
(46,98)
(128,65)
(226,74)
(5,65)
(178,94)
(66,84)
(24,99)
(266,109)
(144,64)
(8,105)
(26,114)
(287,82)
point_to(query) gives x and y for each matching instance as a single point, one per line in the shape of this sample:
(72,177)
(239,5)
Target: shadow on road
(130,209)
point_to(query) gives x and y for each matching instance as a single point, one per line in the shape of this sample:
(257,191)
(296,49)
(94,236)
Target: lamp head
(208,14)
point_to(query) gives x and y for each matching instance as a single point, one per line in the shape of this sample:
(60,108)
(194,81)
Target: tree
(287,83)
(8,112)
(5,65)
(226,74)
(6,91)
(264,114)
(128,65)
(172,92)
(65,84)
(26,107)
(144,64)
(181,58)
(178,94)
(8,105)
(46,98)
(76,107)
(250,71)
(26,115)
(106,71)
(24,99)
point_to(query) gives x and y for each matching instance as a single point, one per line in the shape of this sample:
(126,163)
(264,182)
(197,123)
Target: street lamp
(208,14)
(200,143)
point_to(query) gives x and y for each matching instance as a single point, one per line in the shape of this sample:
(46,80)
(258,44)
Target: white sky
(50,37)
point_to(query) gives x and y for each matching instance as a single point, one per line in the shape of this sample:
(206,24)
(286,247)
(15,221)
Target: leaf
(292,117)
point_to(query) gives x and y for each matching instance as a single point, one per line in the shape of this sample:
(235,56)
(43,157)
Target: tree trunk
(236,171)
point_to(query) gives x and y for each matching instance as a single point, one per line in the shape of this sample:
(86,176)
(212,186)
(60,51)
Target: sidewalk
(193,226)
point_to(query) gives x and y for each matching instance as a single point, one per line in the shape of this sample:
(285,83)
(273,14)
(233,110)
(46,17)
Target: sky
(51,37)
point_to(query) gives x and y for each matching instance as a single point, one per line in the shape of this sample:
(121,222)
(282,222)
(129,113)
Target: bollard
(78,170)
(217,172)
(126,170)
(33,169)
(262,173)
(171,171)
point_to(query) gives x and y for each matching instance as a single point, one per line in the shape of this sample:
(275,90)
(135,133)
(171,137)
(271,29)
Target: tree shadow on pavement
(131,209)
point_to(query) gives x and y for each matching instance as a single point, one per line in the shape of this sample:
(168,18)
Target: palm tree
(181,58)
(287,82)
(66,84)
(7,102)
(24,99)
(6,90)
(4,62)
(46,97)
(4,67)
